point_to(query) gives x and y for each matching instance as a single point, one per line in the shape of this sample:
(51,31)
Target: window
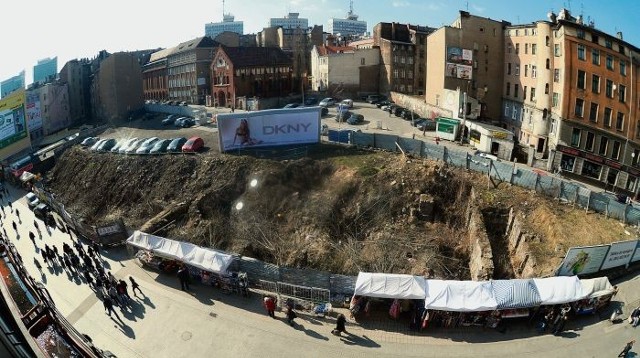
(410,74)
(517,49)
(615,151)
(621,49)
(533,49)
(620,121)
(526,70)
(609,62)
(546,88)
(593,113)
(555,99)
(526,48)
(581,53)
(534,71)
(582,79)
(508,88)
(524,92)
(609,89)
(623,68)
(594,38)
(362,61)
(410,88)
(509,48)
(607,117)
(590,141)
(595,57)
(516,90)
(622,93)
(410,60)
(517,73)
(556,75)
(580,33)
(607,43)
(548,64)
(395,73)
(509,68)
(556,50)
(604,142)
(595,84)
(514,113)
(506,110)
(579,107)
(575,137)
(532,98)
(546,41)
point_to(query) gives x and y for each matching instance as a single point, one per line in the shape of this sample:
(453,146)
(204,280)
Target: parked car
(89,141)
(424,124)
(327,102)
(187,122)
(485,155)
(194,144)
(131,148)
(97,144)
(43,212)
(383,103)
(160,146)
(32,200)
(183,103)
(176,144)
(397,111)
(375,98)
(310,101)
(146,145)
(390,108)
(342,116)
(408,115)
(169,120)
(324,111)
(107,145)
(355,118)
(178,121)
(292,105)
(348,103)
(121,142)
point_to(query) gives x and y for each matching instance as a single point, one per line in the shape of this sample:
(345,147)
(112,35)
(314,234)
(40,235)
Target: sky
(71,29)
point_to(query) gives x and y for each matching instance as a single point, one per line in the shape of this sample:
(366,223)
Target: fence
(542,182)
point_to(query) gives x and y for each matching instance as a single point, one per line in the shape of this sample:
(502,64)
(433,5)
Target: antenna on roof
(350,7)
(467,5)
(223,7)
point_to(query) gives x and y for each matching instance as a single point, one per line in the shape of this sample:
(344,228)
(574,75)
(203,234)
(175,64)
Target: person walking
(291,314)
(135,286)
(113,293)
(626,349)
(15,226)
(341,323)
(183,276)
(559,326)
(88,278)
(37,263)
(32,236)
(96,248)
(270,305)
(18,215)
(635,317)
(108,307)
(10,206)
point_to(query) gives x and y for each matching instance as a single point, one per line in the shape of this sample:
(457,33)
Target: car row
(153,145)
(178,121)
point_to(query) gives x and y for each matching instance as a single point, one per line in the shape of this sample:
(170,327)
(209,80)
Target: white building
(290,21)
(214,29)
(348,26)
(340,67)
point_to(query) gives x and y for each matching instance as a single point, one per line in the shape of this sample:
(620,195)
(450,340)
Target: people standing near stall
(183,276)
(270,306)
(341,323)
(291,314)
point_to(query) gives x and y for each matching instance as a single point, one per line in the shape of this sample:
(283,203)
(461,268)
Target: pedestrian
(291,314)
(15,226)
(135,286)
(123,295)
(341,323)
(111,278)
(626,349)
(44,257)
(635,317)
(35,224)
(96,248)
(37,263)
(90,252)
(559,326)
(113,293)
(183,276)
(270,305)
(32,236)
(67,263)
(108,307)
(18,215)
(98,284)
(88,278)
(10,206)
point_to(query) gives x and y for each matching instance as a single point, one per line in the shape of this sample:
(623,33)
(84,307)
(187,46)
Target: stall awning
(461,296)
(385,285)
(203,258)
(596,287)
(557,290)
(519,293)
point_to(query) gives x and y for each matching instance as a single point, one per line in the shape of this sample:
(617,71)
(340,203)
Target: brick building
(154,75)
(77,75)
(188,70)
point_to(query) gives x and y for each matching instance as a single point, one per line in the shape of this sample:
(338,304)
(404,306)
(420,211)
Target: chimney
(619,35)
(393,31)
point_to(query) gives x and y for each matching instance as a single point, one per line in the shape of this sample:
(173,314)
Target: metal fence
(534,179)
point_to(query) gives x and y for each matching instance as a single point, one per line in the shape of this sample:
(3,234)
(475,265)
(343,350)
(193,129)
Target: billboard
(269,128)
(12,118)
(583,260)
(619,254)
(34,118)
(459,63)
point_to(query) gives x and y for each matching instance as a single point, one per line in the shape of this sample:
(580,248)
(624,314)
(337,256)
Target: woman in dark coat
(340,325)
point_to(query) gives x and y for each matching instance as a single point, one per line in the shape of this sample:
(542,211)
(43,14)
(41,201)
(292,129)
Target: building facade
(462,56)
(349,26)
(52,98)
(46,70)
(12,84)
(188,69)
(289,21)
(155,77)
(228,23)
(243,72)
(344,71)
(77,75)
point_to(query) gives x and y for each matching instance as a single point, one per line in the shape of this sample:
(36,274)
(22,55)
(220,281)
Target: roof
(256,56)
(162,54)
(328,50)
(199,42)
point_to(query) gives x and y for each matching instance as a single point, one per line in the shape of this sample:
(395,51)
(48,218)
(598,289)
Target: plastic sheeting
(557,290)
(596,287)
(519,293)
(203,258)
(460,296)
(384,285)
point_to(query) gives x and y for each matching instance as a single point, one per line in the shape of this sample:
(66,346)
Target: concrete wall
(480,255)
(418,105)
(522,260)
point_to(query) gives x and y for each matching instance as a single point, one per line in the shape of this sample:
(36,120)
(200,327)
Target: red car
(194,144)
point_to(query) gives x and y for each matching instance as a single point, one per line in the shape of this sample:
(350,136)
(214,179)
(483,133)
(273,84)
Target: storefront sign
(499,135)
(612,163)
(619,254)
(583,260)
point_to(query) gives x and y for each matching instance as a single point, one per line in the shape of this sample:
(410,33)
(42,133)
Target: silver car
(131,148)
(146,146)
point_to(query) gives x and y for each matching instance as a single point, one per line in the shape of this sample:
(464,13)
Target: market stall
(515,297)
(384,285)
(558,290)
(598,293)
(460,296)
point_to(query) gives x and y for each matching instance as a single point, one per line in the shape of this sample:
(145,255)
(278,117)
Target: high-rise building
(12,84)
(46,70)
(214,29)
(289,21)
(349,26)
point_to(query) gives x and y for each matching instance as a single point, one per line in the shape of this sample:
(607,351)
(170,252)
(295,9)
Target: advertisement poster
(619,254)
(269,128)
(459,63)
(583,260)
(12,118)
(34,119)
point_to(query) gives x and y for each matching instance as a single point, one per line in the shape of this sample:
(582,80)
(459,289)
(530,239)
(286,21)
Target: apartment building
(344,71)
(188,70)
(154,76)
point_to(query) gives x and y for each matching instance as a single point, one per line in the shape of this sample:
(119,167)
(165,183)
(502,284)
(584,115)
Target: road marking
(82,308)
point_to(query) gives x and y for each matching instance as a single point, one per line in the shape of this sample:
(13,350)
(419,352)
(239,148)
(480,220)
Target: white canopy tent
(460,296)
(203,258)
(596,287)
(560,289)
(384,285)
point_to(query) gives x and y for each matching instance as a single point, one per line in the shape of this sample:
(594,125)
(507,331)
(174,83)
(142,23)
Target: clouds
(400,4)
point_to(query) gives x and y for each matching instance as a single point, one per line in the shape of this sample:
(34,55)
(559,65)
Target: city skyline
(49,31)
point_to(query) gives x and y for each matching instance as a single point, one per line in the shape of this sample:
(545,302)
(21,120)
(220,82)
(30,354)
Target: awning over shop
(203,258)
(519,293)
(384,285)
(461,296)
(596,287)
(557,290)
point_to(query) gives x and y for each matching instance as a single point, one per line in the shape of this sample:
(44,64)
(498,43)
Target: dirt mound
(341,210)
